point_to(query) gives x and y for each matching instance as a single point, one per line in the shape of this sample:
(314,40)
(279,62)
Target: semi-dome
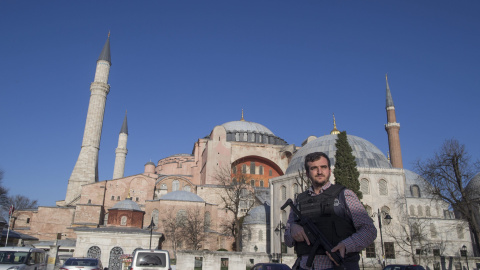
(127,204)
(181,195)
(366,154)
(257,215)
(412,179)
(245,131)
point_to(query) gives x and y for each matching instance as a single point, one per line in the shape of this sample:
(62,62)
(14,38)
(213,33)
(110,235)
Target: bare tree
(448,171)
(193,228)
(414,235)
(302,181)
(172,226)
(238,198)
(21,202)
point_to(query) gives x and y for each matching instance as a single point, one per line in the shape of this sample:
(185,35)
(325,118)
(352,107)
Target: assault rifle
(315,236)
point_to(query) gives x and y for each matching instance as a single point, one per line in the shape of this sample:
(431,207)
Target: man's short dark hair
(314,157)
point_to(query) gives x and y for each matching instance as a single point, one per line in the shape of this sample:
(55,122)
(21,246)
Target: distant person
(338,214)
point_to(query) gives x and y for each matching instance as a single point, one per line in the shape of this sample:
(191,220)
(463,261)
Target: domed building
(419,224)
(104,216)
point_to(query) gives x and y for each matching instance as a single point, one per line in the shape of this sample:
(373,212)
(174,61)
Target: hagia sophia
(107,219)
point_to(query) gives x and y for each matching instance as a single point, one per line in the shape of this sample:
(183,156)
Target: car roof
(21,249)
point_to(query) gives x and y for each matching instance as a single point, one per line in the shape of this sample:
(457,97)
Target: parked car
(403,267)
(22,258)
(82,264)
(271,266)
(150,259)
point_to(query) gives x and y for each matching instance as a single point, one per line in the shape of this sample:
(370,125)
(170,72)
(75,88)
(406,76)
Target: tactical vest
(329,213)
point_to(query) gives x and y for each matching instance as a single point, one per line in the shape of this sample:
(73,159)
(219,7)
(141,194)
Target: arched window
(382,187)
(123,221)
(207,220)
(244,168)
(415,190)
(252,183)
(369,210)
(284,217)
(234,169)
(115,261)
(155,213)
(365,186)
(187,188)
(460,232)
(252,167)
(420,210)
(181,216)
(284,192)
(433,231)
(427,211)
(175,185)
(296,190)
(260,170)
(412,210)
(94,252)
(261,183)
(163,186)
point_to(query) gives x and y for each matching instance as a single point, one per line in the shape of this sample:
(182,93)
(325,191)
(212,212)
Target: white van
(22,258)
(150,259)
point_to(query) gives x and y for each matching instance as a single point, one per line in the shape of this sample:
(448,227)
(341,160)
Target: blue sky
(182,67)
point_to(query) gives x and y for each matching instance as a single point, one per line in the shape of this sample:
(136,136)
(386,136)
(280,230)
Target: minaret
(86,168)
(121,151)
(393,128)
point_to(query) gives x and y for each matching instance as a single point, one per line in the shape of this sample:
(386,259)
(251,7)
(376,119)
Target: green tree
(345,171)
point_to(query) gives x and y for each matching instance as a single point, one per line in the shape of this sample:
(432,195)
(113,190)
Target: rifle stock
(315,236)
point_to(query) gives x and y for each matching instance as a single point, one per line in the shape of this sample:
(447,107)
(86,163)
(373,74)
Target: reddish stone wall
(133,218)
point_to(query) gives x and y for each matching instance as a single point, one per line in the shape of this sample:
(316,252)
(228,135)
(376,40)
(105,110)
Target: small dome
(127,204)
(246,126)
(150,163)
(366,154)
(257,215)
(181,195)
(474,186)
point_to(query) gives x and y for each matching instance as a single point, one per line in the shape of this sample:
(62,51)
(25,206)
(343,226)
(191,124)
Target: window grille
(382,185)
(365,186)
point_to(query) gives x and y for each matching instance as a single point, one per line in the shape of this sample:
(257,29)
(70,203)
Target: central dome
(245,126)
(366,154)
(251,132)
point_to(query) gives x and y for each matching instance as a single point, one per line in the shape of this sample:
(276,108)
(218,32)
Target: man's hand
(340,247)
(298,234)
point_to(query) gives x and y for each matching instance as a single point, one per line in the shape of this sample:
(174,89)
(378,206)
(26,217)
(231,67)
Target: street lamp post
(151,231)
(464,251)
(278,230)
(387,218)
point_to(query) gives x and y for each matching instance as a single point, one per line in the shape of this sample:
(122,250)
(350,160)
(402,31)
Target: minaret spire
(334,131)
(242,117)
(86,167)
(121,151)
(393,130)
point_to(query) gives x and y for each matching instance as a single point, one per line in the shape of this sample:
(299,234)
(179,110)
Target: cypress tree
(345,171)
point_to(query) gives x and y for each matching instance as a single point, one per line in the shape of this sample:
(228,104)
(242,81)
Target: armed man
(336,212)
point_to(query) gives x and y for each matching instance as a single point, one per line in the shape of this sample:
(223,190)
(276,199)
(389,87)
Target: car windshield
(81,262)
(12,257)
(151,259)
